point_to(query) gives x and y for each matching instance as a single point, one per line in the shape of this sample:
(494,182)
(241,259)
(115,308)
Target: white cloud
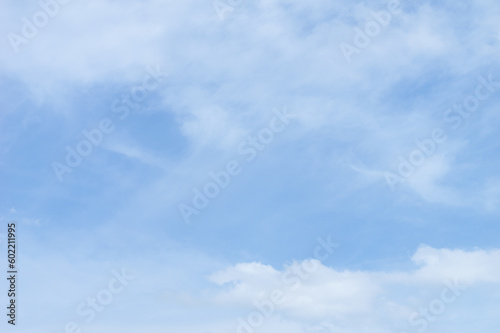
(136,153)
(348,298)
(469,267)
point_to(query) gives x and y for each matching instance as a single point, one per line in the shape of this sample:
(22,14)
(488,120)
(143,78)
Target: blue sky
(201,84)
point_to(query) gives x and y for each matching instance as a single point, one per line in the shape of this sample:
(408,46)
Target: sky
(251,166)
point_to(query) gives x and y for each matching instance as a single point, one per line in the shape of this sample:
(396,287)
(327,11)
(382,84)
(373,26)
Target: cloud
(325,293)
(469,267)
(314,292)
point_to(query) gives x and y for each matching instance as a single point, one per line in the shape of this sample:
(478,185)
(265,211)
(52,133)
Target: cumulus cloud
(313,292)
